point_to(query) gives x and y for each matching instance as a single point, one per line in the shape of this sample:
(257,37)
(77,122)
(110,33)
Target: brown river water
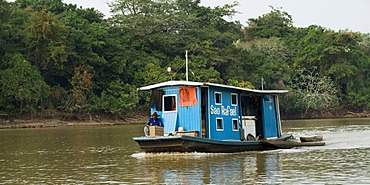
(108,155)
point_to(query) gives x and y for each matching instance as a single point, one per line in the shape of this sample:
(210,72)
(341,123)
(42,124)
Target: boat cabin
(216,111)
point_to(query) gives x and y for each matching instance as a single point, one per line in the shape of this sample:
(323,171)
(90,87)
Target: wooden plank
(187,133)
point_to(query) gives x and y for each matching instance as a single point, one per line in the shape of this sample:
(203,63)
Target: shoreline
(55,122)
(61,119)
(48,123)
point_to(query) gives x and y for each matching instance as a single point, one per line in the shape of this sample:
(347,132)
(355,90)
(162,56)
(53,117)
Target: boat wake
(348,140)
(142,155)
(336,138)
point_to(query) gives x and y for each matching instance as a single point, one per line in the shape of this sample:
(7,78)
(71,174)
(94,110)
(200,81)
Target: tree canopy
(57,56)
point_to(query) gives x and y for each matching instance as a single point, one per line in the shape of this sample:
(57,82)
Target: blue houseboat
(209,117)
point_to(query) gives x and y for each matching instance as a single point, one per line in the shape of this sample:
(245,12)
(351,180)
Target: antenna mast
(187,73)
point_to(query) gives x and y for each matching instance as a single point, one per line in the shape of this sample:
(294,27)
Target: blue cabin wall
(190,116)
(187,117)
(225,112)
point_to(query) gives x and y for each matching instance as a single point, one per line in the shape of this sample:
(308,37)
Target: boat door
(270,123)
(169,113)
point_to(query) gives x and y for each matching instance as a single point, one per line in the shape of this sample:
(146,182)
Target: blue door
(270,124)
(169,121)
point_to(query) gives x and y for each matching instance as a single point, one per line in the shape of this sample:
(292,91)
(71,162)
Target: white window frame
(163,106)
(236,96)
(220,93)
(237,124)
(222,124)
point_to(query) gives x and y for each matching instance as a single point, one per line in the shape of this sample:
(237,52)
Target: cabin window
(220,124)
(234,99)
(218,98)
(235,125)
(169,103)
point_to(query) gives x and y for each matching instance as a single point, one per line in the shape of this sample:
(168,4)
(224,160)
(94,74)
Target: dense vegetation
(57,57)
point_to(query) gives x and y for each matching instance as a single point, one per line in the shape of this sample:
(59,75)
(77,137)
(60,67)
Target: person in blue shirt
(153,121)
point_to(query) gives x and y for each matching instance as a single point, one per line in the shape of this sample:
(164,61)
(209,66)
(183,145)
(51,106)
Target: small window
(235,125)
(169,103)
(220,124)
(234,99)
(218,97)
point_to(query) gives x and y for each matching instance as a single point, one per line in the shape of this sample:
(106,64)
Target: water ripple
(109,156)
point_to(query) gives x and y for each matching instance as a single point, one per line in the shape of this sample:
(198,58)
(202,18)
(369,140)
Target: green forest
(62,58)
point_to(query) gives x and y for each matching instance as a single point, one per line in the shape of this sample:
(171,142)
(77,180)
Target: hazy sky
(353,15)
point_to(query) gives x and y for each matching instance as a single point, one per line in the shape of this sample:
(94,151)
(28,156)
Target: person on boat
(153,121)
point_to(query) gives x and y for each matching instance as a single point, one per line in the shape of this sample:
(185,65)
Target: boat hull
(196,144)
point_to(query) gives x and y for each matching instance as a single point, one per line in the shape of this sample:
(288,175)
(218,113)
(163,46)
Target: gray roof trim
(189,83)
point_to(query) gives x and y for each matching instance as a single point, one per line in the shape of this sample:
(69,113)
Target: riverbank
(135,117)
(58,123)
(65,119)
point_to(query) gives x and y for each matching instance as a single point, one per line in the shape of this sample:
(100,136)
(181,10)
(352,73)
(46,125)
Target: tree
(276,23)
(46,43)
(12,21)
(82,86)
(118,97)
(311,93)
(93,64)
(165,29)
(198,69)
(23,89)
(269,59)
(267,54)
(337,55)
(54,6)
(357,88)
(242,84)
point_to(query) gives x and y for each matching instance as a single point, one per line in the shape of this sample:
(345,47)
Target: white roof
(189,83)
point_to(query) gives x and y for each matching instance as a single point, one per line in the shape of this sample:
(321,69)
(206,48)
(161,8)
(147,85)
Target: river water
(108,155)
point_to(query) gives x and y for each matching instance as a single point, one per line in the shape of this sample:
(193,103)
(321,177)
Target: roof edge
(190,83)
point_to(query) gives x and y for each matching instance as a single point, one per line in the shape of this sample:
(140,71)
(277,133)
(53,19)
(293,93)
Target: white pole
(187,73)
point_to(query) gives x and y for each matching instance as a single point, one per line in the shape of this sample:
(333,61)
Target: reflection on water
(95,155)
(267,168)
(199,168)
